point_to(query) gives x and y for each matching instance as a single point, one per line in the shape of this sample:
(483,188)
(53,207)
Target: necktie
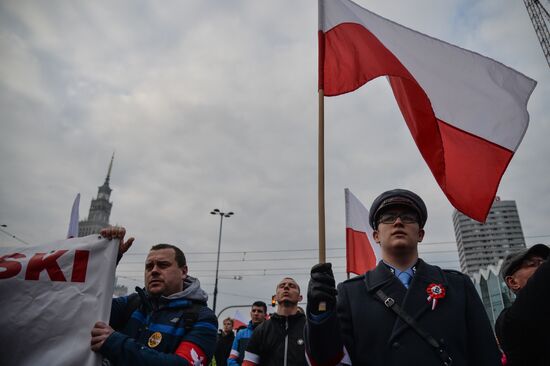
(405,279)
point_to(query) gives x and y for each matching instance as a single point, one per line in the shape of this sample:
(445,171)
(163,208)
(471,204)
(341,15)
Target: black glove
(321,289)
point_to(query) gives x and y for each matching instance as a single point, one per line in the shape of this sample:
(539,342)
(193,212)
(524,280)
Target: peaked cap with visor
(398,197)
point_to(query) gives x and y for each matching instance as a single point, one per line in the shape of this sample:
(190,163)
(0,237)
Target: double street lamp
(222,215)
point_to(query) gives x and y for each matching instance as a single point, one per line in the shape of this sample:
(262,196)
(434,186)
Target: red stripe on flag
(354,56)
(237,323)
(360,256)
(454,156)
(467,155)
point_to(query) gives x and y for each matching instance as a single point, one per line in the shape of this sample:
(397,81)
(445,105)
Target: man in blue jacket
(257,316)
(166,323)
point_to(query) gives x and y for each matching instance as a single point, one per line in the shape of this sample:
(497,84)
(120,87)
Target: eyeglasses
(391,217)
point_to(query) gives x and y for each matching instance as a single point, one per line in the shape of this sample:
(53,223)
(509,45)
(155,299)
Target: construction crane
(540,17)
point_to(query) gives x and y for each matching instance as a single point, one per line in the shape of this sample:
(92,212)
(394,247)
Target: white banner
(51,296)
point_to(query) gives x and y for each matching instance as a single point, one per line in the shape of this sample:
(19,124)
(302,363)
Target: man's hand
(321,288)
(100,332)
(115,232)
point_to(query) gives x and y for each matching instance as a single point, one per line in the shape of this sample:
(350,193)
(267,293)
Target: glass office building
(493,291)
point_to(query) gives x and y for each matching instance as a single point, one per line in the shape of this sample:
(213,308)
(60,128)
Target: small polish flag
(239,320)
(362,253)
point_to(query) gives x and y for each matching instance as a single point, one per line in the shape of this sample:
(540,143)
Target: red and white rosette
(435,292)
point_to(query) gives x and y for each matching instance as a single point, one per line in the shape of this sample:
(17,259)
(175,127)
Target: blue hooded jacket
(239,345)
(161,327)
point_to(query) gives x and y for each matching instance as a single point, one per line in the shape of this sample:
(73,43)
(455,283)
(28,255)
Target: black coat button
(396,345)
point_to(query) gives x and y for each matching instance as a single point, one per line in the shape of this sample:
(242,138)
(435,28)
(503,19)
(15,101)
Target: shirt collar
(411,270)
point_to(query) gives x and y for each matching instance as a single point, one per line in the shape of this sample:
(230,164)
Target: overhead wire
(278,259)
(278,271)
(423,244)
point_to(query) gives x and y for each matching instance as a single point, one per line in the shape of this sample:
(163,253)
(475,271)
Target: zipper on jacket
(286,341)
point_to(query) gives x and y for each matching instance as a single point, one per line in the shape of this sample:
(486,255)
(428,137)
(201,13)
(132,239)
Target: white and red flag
(467,113)
(362,253)
(239,320)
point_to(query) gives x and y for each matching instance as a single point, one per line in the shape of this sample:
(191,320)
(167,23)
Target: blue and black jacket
(175,330)
(239,345)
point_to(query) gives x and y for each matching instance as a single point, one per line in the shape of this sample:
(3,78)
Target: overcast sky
(213,104)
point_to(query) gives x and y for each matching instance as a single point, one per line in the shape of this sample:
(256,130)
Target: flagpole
(321,177)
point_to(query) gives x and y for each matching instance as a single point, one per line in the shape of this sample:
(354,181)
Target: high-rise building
(100,208)
(492,290)
(480,245)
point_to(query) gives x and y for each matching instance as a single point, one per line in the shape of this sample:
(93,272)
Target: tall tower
(540,18)
(480,245)
(100,208)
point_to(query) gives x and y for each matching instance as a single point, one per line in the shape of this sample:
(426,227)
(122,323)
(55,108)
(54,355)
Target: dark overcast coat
(374,335)
(524,328)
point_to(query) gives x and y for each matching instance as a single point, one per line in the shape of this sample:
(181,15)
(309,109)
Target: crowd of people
(403,312)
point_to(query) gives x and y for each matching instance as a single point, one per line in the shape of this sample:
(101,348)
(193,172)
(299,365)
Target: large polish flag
(467,113)
(362,253)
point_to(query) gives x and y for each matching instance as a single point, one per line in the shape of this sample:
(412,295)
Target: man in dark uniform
(403,312)
(523,328)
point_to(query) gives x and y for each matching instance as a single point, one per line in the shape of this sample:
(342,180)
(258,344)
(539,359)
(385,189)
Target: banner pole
(321,177)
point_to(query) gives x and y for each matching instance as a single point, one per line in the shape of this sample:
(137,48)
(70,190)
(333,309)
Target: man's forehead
(166,254)
(288,280)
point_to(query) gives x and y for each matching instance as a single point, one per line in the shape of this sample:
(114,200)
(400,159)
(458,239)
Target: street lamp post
(222,215)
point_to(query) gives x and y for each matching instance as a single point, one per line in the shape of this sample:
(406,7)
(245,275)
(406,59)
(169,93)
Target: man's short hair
(228,319)
(260,304)
(180,257)
(293,280)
